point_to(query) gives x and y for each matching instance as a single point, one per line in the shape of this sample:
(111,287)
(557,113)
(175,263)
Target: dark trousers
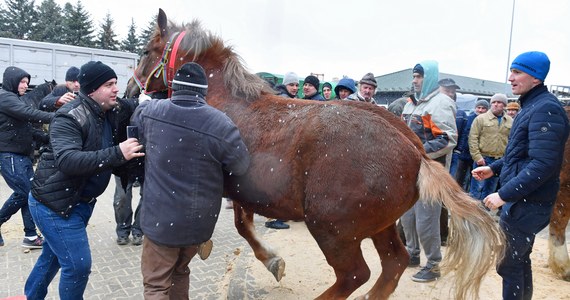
(122,204)
(520,224)
(165,271)
(463,173)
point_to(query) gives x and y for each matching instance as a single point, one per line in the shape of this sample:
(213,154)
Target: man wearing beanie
(529,171)
(17,149)
(71,173)
(63,93)
(177,227)
(487,143)
(311,89)
(327,91)
(289,87)
(431,115)
(366,89)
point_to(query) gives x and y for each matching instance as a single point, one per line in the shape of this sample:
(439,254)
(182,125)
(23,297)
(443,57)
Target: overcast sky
(336,38)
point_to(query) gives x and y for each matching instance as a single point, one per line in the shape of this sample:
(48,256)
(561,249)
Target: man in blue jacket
(184,177)
(529,171)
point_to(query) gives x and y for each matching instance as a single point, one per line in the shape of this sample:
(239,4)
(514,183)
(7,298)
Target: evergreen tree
(131,43)
(50,25)
(107,39)
(18,18)
(147,33)
(78,25)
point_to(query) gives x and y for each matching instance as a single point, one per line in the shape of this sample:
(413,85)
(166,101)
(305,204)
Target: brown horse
(558,259)
(348,170)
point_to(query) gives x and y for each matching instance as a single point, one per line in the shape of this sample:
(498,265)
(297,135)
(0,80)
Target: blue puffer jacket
(530,169)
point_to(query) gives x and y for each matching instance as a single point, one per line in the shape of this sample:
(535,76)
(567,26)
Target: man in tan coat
(488,141)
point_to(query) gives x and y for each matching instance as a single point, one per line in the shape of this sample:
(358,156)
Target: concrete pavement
(116,269)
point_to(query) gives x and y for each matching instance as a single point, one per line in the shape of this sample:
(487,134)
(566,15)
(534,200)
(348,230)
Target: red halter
(165,62)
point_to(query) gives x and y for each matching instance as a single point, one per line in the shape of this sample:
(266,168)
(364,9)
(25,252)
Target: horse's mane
(203,47)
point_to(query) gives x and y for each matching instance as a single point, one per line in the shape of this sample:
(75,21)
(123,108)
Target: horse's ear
(162,22)
(53,82)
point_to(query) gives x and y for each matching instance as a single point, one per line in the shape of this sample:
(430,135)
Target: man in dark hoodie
(17,148)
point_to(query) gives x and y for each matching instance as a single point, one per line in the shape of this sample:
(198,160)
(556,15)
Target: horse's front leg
(558,259)
(243,221)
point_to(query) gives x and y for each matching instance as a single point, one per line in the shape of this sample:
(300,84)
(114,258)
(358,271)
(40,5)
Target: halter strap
(164,62)
(170,70)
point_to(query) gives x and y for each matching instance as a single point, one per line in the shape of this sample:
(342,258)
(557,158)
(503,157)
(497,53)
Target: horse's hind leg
(345,257)
(243,221)
(394,259)
(558,259)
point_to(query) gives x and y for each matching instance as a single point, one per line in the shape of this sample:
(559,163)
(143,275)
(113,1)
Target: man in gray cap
(366,89)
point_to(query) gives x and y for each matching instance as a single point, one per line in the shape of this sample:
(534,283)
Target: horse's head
(173,45)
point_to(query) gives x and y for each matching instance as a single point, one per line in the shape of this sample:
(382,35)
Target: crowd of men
(513,156)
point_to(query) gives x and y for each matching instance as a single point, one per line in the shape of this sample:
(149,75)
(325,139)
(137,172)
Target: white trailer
(47,61)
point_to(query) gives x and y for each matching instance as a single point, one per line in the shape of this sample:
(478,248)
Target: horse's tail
(475,242)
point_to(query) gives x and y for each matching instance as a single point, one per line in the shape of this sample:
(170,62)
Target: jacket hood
(346,83)
(431,76)
(12,77)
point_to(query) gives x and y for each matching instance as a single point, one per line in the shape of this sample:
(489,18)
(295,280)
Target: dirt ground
(307,274)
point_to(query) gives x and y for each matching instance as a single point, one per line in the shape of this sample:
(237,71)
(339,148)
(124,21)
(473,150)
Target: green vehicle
(277,79)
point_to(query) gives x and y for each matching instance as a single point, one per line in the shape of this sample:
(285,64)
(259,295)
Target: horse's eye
(146,52)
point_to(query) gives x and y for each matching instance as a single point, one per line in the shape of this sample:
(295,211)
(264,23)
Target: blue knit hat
(534,63)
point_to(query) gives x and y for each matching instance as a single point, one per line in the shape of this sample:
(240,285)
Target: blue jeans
(17,171)
(453,165)
(480,189)
(65,246)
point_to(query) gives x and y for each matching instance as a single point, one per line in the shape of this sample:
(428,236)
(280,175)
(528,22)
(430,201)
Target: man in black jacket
(63,93)
(189,146)
(17,149)
(71,174)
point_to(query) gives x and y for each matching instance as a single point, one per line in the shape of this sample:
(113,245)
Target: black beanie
(313,80)
(93,75)
(418,69)
(191,77)
(72,74)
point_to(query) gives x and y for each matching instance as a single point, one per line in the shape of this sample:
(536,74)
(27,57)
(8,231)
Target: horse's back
(331,159)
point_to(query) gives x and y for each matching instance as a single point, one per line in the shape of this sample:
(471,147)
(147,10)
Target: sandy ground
(308,274)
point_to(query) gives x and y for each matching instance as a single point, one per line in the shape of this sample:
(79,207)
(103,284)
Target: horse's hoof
(277,267)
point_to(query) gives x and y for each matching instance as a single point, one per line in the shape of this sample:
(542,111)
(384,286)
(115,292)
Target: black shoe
(427,274)
(122,240)
(35,244)
(136,184)
(137,240)
(414,262)
(276,224)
